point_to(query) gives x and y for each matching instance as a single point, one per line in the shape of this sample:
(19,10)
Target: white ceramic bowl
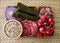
(13,29)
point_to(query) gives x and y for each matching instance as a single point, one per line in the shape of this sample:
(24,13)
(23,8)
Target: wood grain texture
(54,4)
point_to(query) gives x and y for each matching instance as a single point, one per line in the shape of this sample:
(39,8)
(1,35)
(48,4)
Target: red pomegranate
(45,22)
(39,22)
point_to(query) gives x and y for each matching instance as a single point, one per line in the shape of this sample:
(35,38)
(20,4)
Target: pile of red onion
(45,22)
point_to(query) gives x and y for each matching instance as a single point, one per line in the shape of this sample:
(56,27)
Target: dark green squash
(24,16)
(25,9)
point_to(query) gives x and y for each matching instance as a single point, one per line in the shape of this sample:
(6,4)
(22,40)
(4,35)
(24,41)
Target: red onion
(9,12)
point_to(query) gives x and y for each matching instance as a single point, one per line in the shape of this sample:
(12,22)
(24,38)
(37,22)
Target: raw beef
(29,28)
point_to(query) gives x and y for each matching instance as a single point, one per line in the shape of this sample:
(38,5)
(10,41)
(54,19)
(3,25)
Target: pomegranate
(51,21)
(49,31)
(44,18)
(42,11)
(47,9)
(40,34)
(45,22)
(42,29)
(39,22)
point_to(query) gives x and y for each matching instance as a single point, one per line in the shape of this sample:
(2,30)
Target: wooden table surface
(54,4)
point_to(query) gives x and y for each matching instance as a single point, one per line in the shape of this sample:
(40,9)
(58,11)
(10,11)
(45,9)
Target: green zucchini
(25,9)
(24,16)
